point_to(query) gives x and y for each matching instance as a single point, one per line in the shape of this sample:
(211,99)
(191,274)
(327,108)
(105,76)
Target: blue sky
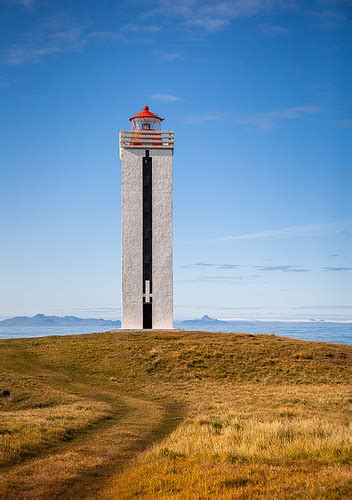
(259,95)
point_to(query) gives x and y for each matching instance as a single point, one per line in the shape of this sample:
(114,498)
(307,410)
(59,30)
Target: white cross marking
(147,291)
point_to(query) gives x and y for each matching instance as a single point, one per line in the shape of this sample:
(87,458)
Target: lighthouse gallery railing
(163,139)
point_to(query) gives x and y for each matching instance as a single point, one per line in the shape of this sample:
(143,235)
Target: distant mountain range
(187,324)
(42,320)
(205,320)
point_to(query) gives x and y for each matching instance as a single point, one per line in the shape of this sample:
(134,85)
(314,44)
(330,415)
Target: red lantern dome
(146,120)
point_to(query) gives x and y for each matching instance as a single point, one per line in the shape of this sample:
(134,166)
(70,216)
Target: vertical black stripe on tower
(147,237)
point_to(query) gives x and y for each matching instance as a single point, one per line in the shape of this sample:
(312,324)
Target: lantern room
(146,120)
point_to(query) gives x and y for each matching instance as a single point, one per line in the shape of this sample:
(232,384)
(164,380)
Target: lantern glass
(145,123)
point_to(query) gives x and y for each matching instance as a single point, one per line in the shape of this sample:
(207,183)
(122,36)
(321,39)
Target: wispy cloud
(211,15)
(206,117)
(60,34)
(221,279)
(272,29)
(225,266)
(27,4)
(140,28)
(53,36)
(270,119)
(118,36)
(328,19)
(337,269)
(165,97)
(286,269)
(287,232)
(265,121)
(206,265)
(166,57)
(18,54)
(106,35)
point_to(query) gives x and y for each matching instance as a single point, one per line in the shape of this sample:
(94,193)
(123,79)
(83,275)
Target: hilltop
(176,415)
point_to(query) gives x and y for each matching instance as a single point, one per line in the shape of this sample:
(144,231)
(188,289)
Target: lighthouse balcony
(159,139)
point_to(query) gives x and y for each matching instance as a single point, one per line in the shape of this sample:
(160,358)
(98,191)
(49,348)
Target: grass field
(175,415)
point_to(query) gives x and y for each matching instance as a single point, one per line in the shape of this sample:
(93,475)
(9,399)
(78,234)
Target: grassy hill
(174,415)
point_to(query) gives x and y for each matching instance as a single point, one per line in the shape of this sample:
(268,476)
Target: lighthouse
(146,153)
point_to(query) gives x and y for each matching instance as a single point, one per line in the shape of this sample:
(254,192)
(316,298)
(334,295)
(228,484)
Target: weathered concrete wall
(132,223)
(162,239)
(132,242)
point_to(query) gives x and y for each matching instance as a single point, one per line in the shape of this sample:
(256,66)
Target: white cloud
(106,36)
(205,117)
(272,29)
(58,34)
(54,36)
(221,279)
(337,269)
(118,36)
(328,19)
(287,232)
(165,57)
(212,15)
(265,121)
(268,120)
(140,28)
(21,53)
(165,97)
(27,4)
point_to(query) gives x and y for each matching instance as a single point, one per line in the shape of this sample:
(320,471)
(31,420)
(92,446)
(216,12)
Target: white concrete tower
(146,154)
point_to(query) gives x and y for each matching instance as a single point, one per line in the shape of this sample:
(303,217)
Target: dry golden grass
(181,414)
(282,444)
(27,432)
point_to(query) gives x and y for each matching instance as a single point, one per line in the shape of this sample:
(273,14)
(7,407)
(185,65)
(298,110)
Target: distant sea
(321,331)
(318,331)
(18,332)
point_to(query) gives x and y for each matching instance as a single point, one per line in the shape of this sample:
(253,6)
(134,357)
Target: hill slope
(179,414)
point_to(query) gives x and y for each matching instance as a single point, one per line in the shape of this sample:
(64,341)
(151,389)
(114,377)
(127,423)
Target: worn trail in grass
(90,455)
(87,462)
(175,415)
